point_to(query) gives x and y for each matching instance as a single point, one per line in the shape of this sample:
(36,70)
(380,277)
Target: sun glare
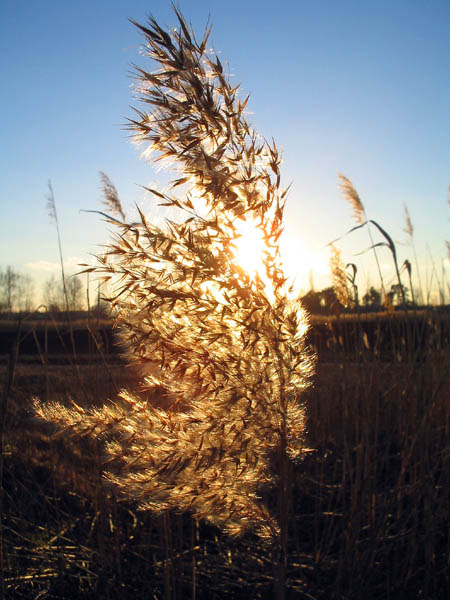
(298,260)
(250,246)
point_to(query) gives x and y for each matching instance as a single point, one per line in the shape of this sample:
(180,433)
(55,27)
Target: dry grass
(226,343)
(370,504)
(352,196)
(206,427)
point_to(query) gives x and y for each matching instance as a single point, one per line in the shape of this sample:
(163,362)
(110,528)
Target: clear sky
(362,88)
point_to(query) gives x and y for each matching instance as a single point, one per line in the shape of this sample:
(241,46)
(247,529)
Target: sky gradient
(361,88)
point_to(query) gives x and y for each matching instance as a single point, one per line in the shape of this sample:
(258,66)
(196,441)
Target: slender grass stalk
(52,212)
(389,243)
(409,230)
(407,266)
(434,275)
(360,215)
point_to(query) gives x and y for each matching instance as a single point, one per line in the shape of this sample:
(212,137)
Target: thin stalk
(88,299)
(408,268)
(383,290)
(360,215)
(434,272)
(283,508)
(418,273)
(51,206)
(283,487)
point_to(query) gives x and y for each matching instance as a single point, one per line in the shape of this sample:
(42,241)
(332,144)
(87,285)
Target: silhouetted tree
(372,299)
(323,302)
(311,301)
(74,288)
(16,290)
(398,294)
(54,293)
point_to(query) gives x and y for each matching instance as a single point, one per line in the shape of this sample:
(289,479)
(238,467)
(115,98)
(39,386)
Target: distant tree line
(326,301)
(54,296)
(17,292)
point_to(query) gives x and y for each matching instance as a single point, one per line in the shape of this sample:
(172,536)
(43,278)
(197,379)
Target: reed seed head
(339,277)
(408,229)
(111,198)
(227,345)
(353,199)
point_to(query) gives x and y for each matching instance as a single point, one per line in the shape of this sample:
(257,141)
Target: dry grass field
(202,463)
(369,507)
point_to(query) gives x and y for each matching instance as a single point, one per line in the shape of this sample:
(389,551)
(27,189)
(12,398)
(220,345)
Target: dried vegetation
(208,426)
(226,345)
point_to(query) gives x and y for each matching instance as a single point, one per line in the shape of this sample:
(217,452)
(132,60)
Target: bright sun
(250,246)
(297,257)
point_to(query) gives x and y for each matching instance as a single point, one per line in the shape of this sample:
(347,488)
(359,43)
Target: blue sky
(362,88)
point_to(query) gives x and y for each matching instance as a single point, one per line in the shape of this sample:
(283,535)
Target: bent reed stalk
(227,345)
(360,216)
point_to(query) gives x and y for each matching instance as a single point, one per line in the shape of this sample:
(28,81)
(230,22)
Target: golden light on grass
(202,306)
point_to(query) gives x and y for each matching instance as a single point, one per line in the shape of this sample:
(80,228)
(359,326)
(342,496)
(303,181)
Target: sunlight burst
(250,247)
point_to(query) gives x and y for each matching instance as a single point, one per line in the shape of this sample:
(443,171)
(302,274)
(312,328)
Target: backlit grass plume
(352,196)
(225,342)
(340,277)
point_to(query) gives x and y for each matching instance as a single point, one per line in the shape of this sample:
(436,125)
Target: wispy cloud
(42,265)
(72,263)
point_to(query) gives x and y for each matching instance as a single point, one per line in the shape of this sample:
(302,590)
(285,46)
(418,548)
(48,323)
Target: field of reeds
(369,505)
(198,462)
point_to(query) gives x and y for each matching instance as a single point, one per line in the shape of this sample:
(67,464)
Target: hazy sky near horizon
(361,88)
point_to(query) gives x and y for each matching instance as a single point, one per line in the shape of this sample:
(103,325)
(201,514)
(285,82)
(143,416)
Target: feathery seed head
(219,335)
(408,229)
(339,277)
(111,197)
(353,198)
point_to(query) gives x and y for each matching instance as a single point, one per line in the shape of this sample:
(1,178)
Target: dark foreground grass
(370,502)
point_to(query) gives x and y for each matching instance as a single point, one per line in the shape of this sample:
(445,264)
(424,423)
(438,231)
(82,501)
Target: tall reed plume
(340,278)
(409,230)
(360,216)
(359,212)
(226,344)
